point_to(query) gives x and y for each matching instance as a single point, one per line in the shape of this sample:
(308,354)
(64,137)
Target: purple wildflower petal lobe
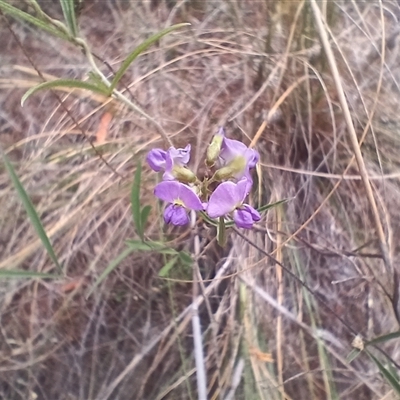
(243,188)
(168,191)
(223,200)
(175,158)
(237,155)
(251,210)
(176,215)
(245,216)
(160,160)
(156,159)
(180,157)
(189,198)
(254,157)
(231,149)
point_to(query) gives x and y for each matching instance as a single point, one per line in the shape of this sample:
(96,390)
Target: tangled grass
(281,305)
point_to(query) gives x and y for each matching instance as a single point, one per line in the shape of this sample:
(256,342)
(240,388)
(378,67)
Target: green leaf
(68,83)
(17,273)
(272,205)
(393,380)
(113,264)
(32,214)
(144,216)
(68,8)
(135,201)
(45,25)
(167,267)
(139,245)
(140,49)
(383,338)
(186,258)
(353,355)
(158,247)
(221,232)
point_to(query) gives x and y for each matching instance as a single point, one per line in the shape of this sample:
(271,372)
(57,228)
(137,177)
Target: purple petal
(249,182)
(231,149)
(175,157)
(245,216)
(221,131)
(254,213)
(225,198)
(243,188)
(168,191)
(156,159)
(189,198)
(168,175)
(180,157)
(252,157)
(174,191)
(176,215)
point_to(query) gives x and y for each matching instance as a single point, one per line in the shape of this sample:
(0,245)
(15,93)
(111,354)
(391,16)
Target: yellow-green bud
(236,166)
(213,150)
(184,175)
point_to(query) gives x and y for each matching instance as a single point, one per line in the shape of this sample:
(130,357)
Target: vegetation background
(314,87)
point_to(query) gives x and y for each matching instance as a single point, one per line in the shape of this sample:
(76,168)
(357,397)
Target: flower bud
(184,175)
(214,149)
(236,166)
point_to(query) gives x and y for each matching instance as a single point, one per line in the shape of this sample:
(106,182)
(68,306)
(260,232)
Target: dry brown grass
(258,68)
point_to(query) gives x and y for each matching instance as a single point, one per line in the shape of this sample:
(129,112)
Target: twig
(236,378)
(198,342)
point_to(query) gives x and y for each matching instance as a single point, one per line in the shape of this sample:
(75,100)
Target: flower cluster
(183,191)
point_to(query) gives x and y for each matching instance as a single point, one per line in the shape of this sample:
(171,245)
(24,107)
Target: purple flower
(156,159)
(245,216)
(181,198)
(229,197)
(171,161)
(236,159)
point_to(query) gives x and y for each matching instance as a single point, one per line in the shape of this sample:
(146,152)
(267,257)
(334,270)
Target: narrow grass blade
(393,380)
(64,83)
(272,205)
(383,338)
(144,216)
(135,201)
(140,49)
(139,245)
(21,274)
(164,271)
(46,26)
(353,355)
(158,247)
(68,8)
(32,214)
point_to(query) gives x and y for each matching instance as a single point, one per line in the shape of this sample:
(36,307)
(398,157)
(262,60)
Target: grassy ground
(280,305)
